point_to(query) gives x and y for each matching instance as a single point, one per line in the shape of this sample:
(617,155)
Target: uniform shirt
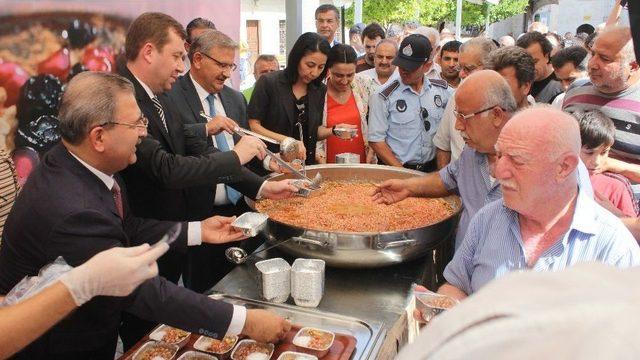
(407,120)
(493,245)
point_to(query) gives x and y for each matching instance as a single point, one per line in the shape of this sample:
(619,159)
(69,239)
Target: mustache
(509,184)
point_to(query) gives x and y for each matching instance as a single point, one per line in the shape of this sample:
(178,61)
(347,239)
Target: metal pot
(362,249)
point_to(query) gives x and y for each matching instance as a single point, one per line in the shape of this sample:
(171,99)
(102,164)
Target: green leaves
(432,12)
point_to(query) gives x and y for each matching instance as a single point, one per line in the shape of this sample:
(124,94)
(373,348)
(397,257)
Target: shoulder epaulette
(439,83)
(386,92)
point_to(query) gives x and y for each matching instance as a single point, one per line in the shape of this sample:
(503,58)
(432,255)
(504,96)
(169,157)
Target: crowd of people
(537,135)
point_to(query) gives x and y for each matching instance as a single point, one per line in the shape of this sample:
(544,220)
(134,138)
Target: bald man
(615,90)
(484,104)
(544,222)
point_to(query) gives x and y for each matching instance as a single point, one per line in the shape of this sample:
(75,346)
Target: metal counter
(373,296)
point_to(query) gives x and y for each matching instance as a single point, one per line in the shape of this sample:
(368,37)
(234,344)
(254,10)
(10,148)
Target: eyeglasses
(462,116)
(141,123)
(468,68)
(224,66)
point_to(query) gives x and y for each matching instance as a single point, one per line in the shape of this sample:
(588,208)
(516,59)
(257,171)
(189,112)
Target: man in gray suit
(203,89)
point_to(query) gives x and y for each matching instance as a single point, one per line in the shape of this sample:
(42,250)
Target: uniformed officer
(404,115)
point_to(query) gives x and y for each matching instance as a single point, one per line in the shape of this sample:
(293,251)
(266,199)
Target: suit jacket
(272,103)
(158,181)
(65,210)
(183,99)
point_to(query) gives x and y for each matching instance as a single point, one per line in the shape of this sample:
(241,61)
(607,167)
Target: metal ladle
(313,184)
(287,146)
(238,255)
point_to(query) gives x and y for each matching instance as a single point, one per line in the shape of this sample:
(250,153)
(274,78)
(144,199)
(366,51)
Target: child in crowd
(597,134)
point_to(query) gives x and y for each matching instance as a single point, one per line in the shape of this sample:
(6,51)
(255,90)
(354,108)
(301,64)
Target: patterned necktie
(232,194)
(158,106)
(117,198)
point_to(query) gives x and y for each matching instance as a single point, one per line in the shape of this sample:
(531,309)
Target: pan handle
(383,245)
(320,243)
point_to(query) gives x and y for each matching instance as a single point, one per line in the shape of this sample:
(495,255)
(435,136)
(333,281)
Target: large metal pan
(363,249)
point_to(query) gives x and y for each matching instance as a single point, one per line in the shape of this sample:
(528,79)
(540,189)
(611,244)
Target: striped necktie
(158,106)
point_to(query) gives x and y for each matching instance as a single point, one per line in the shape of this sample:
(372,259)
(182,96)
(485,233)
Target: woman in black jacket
(283,101)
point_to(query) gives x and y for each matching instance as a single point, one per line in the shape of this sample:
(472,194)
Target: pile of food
(347,207)
(252,350)
(314,339)
(441,302)
(155,352)
(216,346)
(174,336)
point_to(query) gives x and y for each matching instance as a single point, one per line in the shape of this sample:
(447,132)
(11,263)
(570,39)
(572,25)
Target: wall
(564,17)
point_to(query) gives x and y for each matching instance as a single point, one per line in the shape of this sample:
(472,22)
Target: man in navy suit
(74,205)
(203,89)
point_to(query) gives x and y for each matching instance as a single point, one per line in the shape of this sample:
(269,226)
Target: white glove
(114,272)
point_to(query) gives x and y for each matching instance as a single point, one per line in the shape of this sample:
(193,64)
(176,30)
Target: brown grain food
(441,302)
(246,348)
(347,207)
(153,353)
(174,336)
(222,346)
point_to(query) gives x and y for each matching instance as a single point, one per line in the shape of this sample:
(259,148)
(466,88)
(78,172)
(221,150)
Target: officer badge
(437,100)
(407,51)
(401,106)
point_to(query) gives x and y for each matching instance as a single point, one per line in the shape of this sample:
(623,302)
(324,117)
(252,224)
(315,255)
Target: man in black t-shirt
(545,87)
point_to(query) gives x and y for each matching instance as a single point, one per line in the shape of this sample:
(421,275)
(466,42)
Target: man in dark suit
(203,89)
(75,206)
(158,182)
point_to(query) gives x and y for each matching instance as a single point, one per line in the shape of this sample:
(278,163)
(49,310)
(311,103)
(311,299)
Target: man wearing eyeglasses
(404,115)
(327,22)
(484,104)
(75,205)
(203,89)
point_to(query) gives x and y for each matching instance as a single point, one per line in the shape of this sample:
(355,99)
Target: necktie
(117,198)
(158,106)
(223,145)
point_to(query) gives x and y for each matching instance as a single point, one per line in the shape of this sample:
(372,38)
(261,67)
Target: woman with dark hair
(289,102)
(346,106)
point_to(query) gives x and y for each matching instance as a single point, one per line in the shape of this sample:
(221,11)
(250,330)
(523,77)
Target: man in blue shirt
(544,221)
(484,104)
(404,115)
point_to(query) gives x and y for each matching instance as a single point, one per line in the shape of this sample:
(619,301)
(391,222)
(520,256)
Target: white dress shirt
(221,191)
(194,234)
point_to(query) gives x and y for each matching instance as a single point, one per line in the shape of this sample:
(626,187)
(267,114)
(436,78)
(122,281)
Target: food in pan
(347,207)
(314,339)
(173,335)
(252,350)
(292,355)
(441,302)
(216,346)
(194,355)
(170,335)
(156,351)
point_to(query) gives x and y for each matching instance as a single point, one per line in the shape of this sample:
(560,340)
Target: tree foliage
(432,12)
